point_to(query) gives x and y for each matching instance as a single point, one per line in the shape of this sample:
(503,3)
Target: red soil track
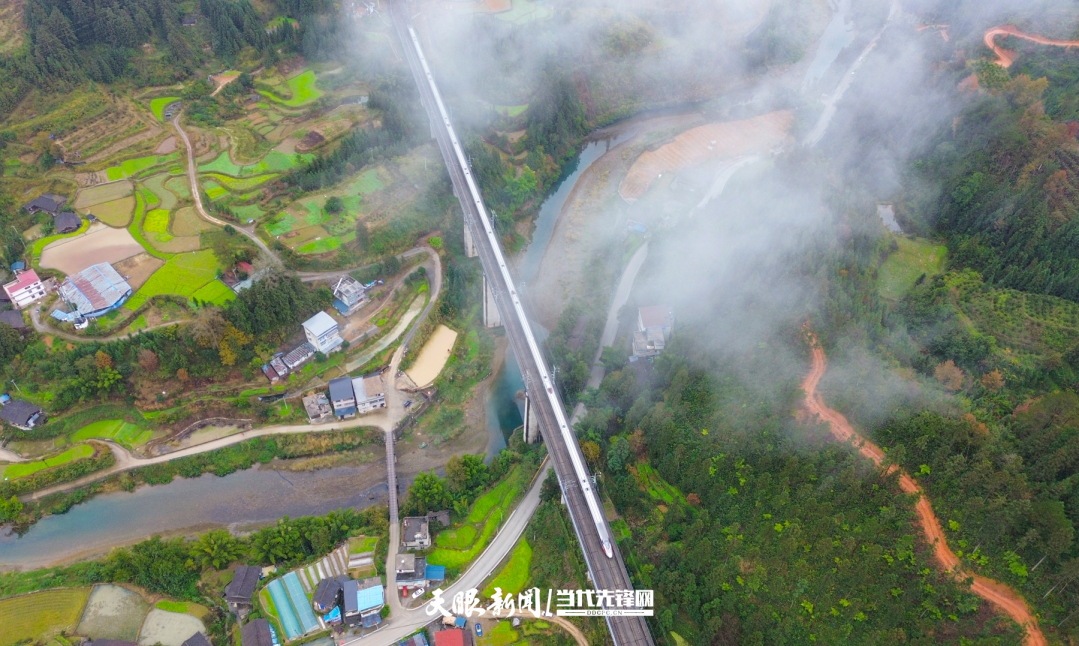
(1005,57)
(1000,595)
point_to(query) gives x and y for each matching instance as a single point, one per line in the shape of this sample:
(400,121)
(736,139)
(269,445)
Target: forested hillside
(73,41)
(755,529)
(1008,196)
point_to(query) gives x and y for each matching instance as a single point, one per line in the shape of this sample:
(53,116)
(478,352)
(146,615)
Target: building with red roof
(26,289)
(450,637)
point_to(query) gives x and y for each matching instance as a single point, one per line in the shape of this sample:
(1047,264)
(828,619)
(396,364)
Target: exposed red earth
(996,593)
(1005,57)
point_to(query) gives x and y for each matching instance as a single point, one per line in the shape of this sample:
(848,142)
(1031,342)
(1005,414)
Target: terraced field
(452,547)
(274,162)
(130,167)
(183,274)
(116,430)
(23,469)
(102,193)
(158,105)
(37,617)
(302,89)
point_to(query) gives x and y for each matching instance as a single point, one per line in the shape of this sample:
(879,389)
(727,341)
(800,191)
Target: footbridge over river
(503,306)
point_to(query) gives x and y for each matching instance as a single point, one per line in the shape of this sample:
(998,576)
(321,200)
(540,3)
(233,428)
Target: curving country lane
(1006,57)
(1003,597)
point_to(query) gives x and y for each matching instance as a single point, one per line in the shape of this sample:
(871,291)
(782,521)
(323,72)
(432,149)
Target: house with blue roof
(364,601)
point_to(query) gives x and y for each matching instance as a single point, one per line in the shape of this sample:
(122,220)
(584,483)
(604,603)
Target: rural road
(403,622)
(1005,58)
(193,178)
(35,318)
(1000,595)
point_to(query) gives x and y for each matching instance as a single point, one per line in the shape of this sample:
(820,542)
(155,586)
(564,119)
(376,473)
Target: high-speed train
(567,435)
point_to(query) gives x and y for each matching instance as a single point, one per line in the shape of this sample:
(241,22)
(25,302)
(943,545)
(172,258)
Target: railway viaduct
(502,306)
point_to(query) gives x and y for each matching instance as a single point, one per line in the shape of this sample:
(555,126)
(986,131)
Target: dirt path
(1006,57)
(192,176)
(1000,595)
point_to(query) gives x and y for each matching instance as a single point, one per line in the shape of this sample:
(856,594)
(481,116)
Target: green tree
(467,473)
(617,454)
(334,205)
(216,548)
(428,492)
(10,509)
(10,342)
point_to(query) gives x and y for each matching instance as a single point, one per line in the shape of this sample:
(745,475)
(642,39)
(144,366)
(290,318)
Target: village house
(414,533)
(326,596)
(655,324)
(22,415)
(12,318)
(25,290)
(257,632)
(322,333)
(276,371)
(239,591)
(342,397)
(198,639)
(451,637)
(411,571)
(350,295)
(370,597)
(301,355)
(369,393)
(48,203)
(419,639)
(318,408)
(67,222)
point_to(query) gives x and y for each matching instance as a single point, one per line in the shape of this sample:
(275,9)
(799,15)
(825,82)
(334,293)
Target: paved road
(403,622)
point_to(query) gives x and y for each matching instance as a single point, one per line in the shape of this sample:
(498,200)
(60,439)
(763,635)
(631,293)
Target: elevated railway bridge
(545,413)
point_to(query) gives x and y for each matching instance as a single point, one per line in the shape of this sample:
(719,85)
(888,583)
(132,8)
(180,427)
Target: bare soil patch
(137,269)
(168,628)
(221,80)
(310,140)
(433,356)
(166,146)
(100,243)
(726,139)
(11,24)
(113,612)
(102,193)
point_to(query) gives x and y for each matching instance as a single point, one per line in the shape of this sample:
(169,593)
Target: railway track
(606,572)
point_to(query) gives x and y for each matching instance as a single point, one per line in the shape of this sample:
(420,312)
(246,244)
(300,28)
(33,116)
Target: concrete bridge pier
(491,317)
(531,426)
